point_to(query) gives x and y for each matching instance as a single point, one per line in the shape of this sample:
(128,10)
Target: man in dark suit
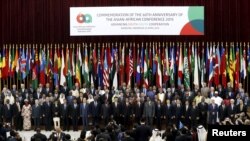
(17,114)
(36,114)
(64,113)
(168,113)
(74,114)
(149,111)
(177,112)
(47,89)
(222,114)
(194,114)
(84,113)
(116,110)
(106,112)
(138,110)
(47,114)
(203,108)
(95,111)
(1,112)
(23,90)
(212,112)
(126,112)
(186,114)
(143,132)
(231,109)
(39,135)
(7,114)
(159,113)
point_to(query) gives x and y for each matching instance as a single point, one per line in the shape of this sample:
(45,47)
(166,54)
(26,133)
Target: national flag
(78,66)
(35,69)
(86,67)
(29,60)
(100,67)
(69,66)
(165,65)
(62,73)
(23,64)
(216,66)
(106,71)
(115,65)
(55,69)
(42,59)
(73,64)
(180,68)
(171,70)
(196,72)
(223,67)
(11,62)
(95,61)
(243,70)
(5,69)
(186,69)
(138,69)
(237,68)
(159,73)
(145,68)
(121,69)
(203,65)
(211,65)
(130,65)
(231,69)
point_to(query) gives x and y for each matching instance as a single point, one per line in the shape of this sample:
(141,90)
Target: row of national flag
(112,65)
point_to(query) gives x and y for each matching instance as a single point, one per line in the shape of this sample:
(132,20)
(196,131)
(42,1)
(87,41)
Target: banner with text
(152,20)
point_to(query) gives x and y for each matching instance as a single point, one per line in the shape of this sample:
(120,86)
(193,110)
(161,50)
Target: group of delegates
(83,105)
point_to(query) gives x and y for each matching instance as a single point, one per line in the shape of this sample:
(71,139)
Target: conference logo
(84,18)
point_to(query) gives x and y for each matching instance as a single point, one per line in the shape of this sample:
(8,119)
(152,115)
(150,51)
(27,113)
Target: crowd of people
(84,108)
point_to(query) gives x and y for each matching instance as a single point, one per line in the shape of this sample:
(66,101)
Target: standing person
(212,112)
(106,111)
(84,113)
(143,132)
(36,114)
(159,113)
(17,115)
(95,110)
(74,114)
(7,114)
(26,113)
(149,111)
(64,113)
(203,107)
(138,110)
(47,114)
(56,114)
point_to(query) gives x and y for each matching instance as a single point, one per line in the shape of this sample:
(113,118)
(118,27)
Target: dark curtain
(47,21)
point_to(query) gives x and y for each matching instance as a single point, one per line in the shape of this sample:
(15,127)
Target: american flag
(106,71)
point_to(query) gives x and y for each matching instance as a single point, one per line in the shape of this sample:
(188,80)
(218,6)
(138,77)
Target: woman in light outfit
(26,114)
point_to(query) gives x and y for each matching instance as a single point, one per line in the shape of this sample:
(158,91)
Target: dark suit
(37,95)
(143,133)
(194,114)
(64,90)
(17,115)
(116,112)
(36,115)
(84,113)
(138,111)
(149,112)
(7,113)
(47,113)
(95,111)
(231,111)
(177,112)
(55,110)
(168,114)
(222,114)
(159,112)
(187,114)
(212,110)
(74,114)
(126,113)
(203,108)
(106,112)
(64,113)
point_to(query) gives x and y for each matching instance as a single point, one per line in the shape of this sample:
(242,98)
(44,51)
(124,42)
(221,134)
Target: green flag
(186,70)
